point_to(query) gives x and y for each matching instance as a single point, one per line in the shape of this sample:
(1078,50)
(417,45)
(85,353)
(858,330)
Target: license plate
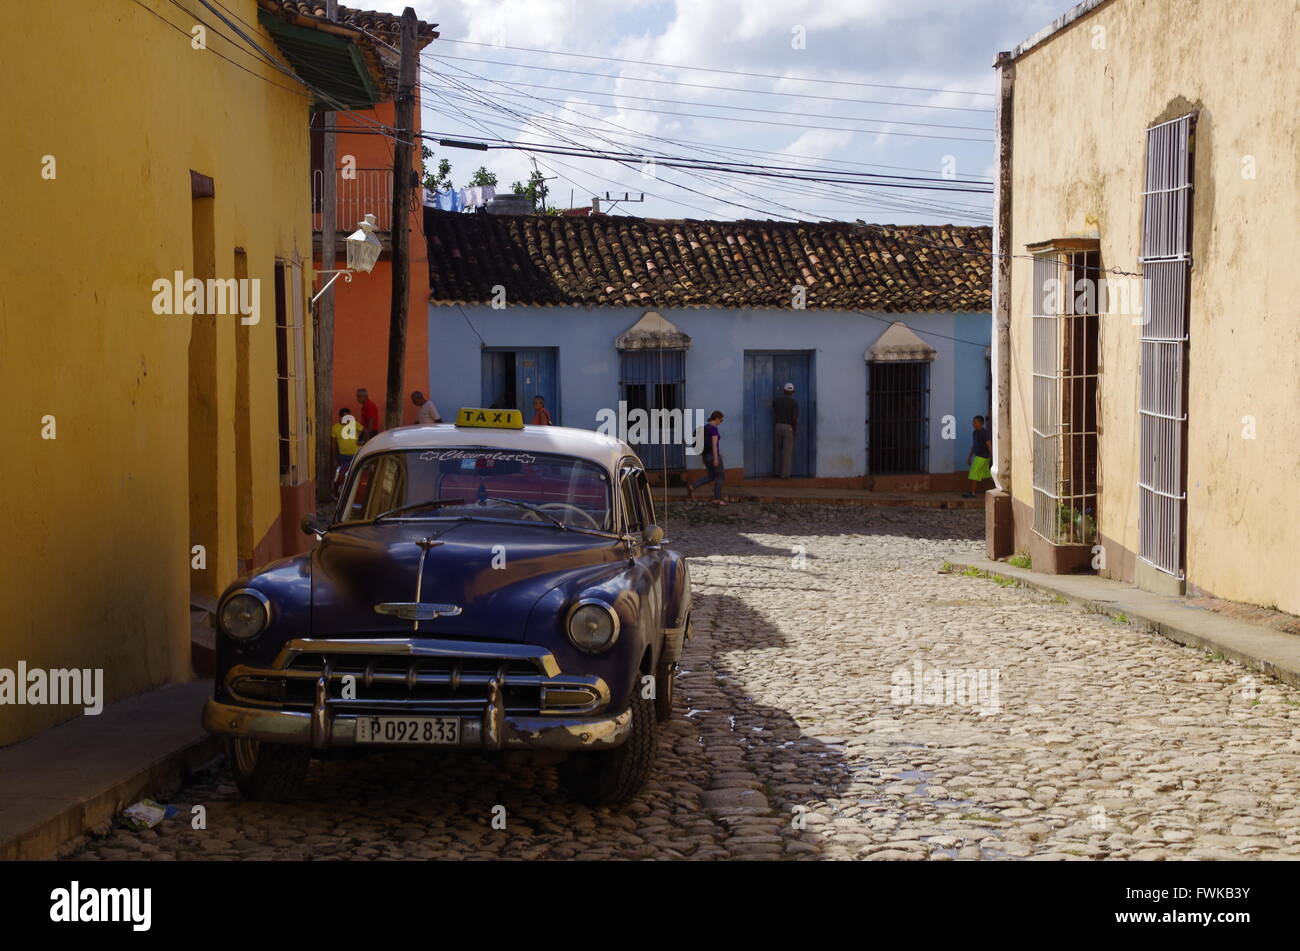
(425,731)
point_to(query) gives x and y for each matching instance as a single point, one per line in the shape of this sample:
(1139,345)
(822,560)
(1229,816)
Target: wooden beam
(201,186)
(402,188)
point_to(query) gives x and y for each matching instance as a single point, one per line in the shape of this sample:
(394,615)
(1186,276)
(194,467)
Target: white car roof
(583,443)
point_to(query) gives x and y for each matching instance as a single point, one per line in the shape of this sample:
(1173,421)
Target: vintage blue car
(484,585)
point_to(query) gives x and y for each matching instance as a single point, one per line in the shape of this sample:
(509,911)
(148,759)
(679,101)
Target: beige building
(1147,298)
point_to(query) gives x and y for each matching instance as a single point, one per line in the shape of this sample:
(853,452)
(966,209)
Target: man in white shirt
(427,413)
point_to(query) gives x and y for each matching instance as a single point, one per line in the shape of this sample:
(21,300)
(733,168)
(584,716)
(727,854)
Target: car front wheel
(615,776)
(267,772)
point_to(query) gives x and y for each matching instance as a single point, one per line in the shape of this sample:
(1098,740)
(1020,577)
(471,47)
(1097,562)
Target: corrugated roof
(637,262)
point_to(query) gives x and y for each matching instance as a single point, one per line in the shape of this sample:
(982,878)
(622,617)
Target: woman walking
(715,472)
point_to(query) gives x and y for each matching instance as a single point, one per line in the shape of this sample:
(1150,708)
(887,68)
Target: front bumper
(506,732)
(326,718)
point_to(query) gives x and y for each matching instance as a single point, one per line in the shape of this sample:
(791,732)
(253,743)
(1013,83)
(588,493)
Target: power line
(923,207)
(668,161)
(733,89)
(624,164)
(733,72)
(190,37)
(320,94)
(719,105)
(585,131)
(771,122)
(750,165)
(477,98)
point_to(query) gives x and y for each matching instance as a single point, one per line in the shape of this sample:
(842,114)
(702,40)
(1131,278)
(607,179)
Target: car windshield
(486,483)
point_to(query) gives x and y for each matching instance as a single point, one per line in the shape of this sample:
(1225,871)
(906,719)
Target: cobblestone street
(843,698)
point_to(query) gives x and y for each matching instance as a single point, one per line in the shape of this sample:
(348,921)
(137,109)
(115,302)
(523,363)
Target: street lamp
(363,250)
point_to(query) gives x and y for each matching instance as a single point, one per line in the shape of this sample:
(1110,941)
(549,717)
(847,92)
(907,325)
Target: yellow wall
(1080,116)
(96,529)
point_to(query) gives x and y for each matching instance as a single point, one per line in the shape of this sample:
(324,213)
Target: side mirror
(653,536)
(308,526)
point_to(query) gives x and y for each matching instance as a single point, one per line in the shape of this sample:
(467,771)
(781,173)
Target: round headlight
(245,614)
(593,625)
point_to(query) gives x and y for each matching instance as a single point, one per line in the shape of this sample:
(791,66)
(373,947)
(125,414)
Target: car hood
(493,572)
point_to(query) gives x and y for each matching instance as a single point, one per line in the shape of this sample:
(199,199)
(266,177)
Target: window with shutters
(1166,267)
(654,381)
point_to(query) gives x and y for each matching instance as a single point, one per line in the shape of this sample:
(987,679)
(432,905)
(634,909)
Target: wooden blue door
(511,378)
(766,372)
(535,376)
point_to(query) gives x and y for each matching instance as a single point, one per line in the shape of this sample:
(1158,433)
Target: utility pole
(542,190)
(402,164)
(323,338)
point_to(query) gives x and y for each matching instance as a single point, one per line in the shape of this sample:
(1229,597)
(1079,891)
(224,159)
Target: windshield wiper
(427,503)
(525,506)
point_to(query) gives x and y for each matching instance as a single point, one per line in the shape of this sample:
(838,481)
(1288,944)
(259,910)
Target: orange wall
(361,309)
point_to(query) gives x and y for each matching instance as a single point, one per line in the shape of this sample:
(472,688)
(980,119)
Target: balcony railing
(358,192)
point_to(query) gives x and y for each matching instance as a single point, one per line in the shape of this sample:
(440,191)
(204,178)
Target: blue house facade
(643,328)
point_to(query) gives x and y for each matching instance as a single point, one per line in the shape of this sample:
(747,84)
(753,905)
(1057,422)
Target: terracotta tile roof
(638,262)
(387,25)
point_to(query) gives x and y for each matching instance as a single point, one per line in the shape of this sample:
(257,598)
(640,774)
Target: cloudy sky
(834,88)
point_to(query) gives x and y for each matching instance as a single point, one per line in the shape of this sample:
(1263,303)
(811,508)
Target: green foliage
(482,177)
(535,188)
(1021,559)
(438,181)
(1073,526)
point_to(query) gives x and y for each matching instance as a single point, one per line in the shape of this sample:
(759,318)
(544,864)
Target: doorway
(766,372)
(511,378)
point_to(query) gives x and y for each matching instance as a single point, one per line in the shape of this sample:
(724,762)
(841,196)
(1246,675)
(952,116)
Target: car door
(646,564)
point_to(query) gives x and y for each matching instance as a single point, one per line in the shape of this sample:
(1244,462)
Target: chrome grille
(441,683)
(416,676)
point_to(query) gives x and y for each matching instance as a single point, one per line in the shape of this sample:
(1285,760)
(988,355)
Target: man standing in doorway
(785,417)
(369,415)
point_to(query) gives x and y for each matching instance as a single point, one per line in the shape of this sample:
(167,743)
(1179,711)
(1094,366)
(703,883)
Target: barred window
(1065,375)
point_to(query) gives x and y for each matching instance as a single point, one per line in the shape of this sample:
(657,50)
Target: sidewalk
(1256,647)
(802,496)
(78,775)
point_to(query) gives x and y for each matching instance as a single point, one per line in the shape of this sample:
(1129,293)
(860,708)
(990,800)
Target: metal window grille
(1166,267)
(1066,366)
(898,423)
(655,380)
(357,192)
(291,373)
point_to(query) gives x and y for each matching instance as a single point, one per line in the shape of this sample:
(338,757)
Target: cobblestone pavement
(844,699)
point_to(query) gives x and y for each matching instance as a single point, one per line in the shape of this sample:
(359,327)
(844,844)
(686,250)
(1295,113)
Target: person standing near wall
(979,456)
(715,470)
(344,436)
(369,415)
(785,417)
(541,415)
(426,413)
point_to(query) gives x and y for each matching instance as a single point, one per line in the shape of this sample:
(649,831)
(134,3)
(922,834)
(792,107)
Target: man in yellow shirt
(344,436)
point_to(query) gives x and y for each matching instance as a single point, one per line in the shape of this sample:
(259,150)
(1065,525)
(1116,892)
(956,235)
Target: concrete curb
(78,775)
(1258,648)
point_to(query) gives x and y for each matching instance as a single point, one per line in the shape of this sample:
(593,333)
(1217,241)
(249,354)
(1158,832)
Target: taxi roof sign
(474,417)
